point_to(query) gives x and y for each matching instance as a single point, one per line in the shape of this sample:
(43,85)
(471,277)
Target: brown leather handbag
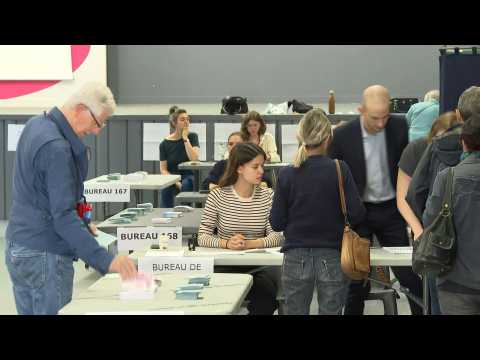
(355,255)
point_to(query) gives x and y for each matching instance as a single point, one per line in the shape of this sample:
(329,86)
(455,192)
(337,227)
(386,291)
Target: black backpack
(299,107)
(232,105)
(434,251)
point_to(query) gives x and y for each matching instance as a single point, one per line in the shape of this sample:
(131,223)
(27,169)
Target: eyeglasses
(100,126)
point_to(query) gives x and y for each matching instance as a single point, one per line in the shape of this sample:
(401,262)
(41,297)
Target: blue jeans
(169,193)
(304,269)
(433,293)
(42,281)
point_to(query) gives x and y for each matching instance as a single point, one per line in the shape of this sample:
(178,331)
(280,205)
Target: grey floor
(84,278)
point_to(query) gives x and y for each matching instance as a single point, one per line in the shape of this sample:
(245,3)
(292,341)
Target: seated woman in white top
(254,130)
(236,217)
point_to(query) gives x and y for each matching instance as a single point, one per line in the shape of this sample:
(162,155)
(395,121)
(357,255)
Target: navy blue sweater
(215,174)
(306,204)
(50,167)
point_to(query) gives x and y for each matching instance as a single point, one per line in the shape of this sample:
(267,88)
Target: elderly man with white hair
(421,116)
(45,233)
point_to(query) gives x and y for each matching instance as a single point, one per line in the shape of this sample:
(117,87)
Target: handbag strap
(342,192)
(448,196)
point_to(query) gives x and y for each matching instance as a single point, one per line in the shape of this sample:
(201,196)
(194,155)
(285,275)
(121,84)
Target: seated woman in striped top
(238,210)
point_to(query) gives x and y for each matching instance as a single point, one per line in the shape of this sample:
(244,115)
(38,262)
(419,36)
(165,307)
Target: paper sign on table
(106,192)
(166,265)
(14,132)
(142,238)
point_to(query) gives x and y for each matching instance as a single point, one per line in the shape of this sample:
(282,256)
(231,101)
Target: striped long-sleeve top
(229,214)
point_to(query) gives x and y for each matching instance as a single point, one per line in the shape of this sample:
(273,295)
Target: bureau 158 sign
(107,192)
(142,238)
(166,265)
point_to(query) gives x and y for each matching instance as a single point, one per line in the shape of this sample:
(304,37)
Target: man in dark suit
(371,146)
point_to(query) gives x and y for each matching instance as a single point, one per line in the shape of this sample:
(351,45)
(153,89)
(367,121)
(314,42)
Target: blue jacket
(306,205)
(51,165)
(420,118)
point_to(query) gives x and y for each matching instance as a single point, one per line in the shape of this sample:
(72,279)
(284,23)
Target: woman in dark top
(408,163)
(306,206)
(180,146)
(406,167)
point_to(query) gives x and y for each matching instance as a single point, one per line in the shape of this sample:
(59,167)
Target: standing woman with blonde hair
(306,207)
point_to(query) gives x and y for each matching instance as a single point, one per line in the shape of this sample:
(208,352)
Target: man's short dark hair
(471,133)
(469,102)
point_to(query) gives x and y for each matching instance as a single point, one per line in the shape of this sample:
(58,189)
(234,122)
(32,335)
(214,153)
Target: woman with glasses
(180,146)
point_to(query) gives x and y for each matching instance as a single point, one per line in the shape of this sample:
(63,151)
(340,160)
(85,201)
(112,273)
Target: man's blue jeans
(433,292)
(304,269)
(42,281)
(169,193)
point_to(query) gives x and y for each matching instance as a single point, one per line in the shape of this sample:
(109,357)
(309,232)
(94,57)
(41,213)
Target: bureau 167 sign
(107,192)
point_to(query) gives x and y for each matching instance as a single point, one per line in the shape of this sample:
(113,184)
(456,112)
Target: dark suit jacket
(347,145)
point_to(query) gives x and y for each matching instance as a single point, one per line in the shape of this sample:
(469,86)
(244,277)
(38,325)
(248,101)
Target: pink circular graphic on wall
(11,89)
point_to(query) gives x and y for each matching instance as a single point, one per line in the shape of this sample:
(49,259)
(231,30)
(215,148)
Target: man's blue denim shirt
(51,165)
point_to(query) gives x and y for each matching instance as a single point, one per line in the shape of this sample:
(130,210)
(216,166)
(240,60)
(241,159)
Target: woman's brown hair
(252,115)
(442,123)
(240,155)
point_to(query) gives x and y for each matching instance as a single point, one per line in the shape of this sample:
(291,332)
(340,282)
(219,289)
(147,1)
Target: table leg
(196,175)
(274,179)
(137,196)
(156,194)
(425,295)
